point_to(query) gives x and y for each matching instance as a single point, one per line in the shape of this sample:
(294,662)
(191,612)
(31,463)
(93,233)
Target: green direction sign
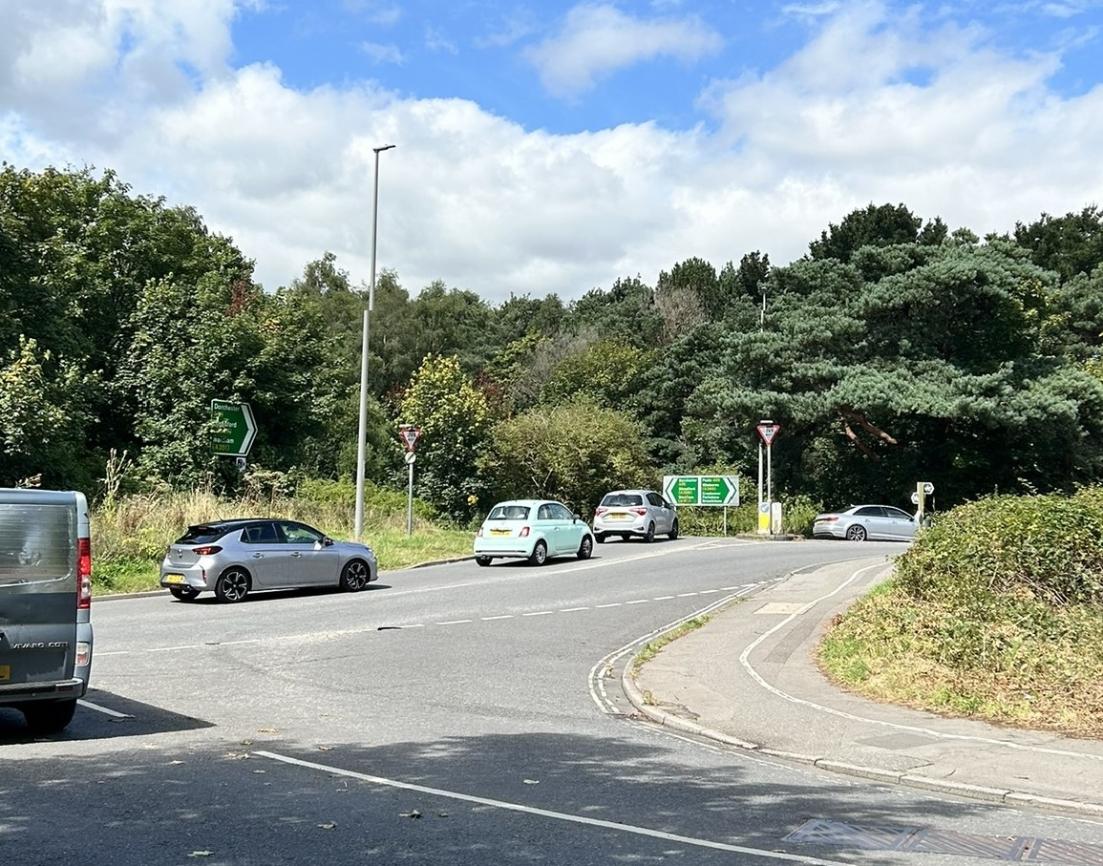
(682,490)
(713,490)
(232,428)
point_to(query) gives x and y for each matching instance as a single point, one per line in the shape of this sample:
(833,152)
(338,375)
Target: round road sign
(411,457)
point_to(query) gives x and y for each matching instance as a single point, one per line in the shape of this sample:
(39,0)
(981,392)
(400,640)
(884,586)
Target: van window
(36,543)
(622,500)
(202,534)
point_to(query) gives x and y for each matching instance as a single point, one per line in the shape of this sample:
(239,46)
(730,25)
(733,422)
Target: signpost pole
(410,501)
(770,482)
(760,473)
(725,521)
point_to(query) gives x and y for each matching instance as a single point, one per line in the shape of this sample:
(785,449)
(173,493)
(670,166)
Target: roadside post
(409,434)
(233,430)
(923,489)
(710,491)
(767,431)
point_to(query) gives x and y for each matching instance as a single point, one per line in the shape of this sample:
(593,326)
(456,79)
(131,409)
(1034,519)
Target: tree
(1069,245)
(454,420)
(575,453)
(626,312)
(607,372)
(693,282)
(875,225)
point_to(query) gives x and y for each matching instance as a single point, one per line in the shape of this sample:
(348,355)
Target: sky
(556,146)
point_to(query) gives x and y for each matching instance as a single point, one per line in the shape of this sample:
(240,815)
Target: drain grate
(1024,849)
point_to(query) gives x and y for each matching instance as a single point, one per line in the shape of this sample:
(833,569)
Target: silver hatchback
(235,557)
(642,513)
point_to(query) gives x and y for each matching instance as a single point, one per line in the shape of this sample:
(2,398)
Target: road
(449,715)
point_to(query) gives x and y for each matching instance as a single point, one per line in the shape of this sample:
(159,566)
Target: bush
(1044,547)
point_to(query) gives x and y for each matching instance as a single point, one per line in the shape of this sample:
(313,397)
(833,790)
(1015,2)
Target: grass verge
(1022,662)
(653,648)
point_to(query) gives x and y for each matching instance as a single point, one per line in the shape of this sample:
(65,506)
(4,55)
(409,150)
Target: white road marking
(107,712)
(668,597)
(686,594)
(454,622)
(611,604)
(501,616)
(557,816)
(572,609)
(539,613)
(638,601)
(744,660)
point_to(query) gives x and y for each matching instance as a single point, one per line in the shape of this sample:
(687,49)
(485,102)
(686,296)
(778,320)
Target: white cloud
(378,52)
(480,202)
(598,39)
(437,41)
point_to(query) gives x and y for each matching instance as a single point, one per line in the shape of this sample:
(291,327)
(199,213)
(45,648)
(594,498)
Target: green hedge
(1048,548)
(798,513)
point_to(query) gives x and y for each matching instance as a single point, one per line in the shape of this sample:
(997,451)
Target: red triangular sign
(768,432)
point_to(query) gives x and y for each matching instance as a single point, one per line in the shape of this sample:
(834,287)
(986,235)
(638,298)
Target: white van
(45,605)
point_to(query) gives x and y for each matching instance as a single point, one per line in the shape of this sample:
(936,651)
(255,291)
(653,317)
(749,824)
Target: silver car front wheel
(355,576)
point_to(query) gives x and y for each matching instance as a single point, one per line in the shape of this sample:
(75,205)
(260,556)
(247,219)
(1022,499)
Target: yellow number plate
(5,673)
(619,515)
(174,578)
(501,532)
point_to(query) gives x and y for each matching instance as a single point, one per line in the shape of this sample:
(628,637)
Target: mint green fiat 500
(532,529)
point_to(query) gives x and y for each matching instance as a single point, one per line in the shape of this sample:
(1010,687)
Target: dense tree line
(894,350)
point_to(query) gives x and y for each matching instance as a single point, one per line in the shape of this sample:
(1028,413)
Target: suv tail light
(84,573)
(524,533)
(640,511)
(601,509)
(206,550)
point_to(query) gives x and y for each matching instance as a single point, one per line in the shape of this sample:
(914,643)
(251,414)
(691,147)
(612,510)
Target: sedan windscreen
(622,500)
(202,534)
(509,512)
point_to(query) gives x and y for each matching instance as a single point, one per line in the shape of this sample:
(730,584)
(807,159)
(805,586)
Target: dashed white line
(638,601)
(115,714)
(558,816)
(454,622)
(611,604)
(539,613)
(668,597)
(686,594)
(572,609)
(500,616)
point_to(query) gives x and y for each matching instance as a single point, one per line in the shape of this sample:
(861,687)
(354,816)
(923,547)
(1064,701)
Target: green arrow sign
(713,490)
(232,428)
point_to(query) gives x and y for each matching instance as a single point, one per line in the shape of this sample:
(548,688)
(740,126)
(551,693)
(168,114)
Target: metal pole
(770,483)
(759,473)
(362,436)
(725,521)
(410,503)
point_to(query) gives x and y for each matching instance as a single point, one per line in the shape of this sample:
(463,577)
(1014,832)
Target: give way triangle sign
(767,432)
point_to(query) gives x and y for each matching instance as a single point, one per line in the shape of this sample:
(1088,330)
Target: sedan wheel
(673,534)
(484,561)
(856,533)
(649,536)
(586,549)
(539,554)
(232,586)
(184,593)
(355,576)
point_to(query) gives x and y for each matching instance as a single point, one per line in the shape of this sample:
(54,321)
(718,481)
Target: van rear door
(38,588)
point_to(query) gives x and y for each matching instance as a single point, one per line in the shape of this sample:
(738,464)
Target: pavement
(748,679)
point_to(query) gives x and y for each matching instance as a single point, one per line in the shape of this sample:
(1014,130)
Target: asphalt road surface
(449,715)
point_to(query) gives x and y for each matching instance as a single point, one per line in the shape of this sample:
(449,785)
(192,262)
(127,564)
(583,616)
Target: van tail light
(206,550)
(601,509)
(640,511)
(524,533)
(84,573)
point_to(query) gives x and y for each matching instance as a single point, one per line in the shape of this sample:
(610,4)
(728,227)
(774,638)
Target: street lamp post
(362,439)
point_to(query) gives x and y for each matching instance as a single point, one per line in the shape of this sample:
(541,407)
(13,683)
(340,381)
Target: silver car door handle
(258,555)
(296,554)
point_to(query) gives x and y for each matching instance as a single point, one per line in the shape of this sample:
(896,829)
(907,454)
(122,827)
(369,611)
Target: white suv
(635,512)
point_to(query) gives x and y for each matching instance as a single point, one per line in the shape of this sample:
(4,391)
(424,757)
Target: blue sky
(476,50)
(556,146)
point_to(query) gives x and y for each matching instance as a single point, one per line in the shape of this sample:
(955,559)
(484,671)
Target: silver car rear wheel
(355,576)
(856,533)
(232,586)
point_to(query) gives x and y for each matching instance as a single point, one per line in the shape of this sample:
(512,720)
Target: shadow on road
(162,805)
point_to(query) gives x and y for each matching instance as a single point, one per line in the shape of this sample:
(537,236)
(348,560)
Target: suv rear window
(202,534)
(622,500)
(509,512)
